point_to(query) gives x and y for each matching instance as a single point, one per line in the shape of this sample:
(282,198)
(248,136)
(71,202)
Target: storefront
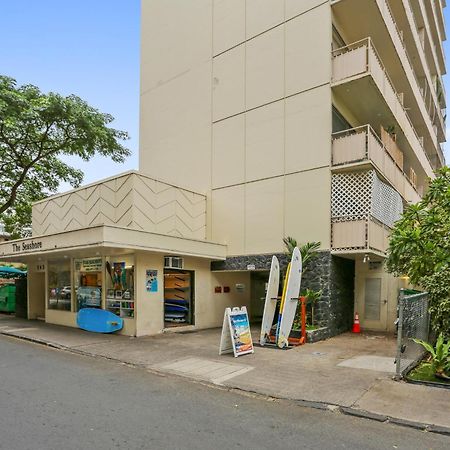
(153,282)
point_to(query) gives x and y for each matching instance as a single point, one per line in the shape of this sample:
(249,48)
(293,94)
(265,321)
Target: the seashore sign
(236,336)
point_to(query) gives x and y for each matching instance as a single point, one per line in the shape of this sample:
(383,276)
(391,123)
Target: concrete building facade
(315,119)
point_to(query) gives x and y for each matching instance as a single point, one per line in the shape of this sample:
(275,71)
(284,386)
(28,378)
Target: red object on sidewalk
(356,327)
(303,309)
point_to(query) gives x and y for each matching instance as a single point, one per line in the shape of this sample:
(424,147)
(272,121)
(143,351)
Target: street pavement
(351,372)
(50,399)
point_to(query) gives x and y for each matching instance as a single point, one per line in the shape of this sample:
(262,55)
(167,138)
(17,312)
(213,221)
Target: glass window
(339,122)
(59,285)
(88,282)
(120,285)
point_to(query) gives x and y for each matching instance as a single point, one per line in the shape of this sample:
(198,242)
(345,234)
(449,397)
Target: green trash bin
(8,298)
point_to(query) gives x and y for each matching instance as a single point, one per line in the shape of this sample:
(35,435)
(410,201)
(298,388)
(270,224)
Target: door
(258,282)
(372,301)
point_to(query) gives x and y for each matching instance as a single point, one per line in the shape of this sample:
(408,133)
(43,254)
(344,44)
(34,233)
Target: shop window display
(120,285)
(88,280)
(59,285)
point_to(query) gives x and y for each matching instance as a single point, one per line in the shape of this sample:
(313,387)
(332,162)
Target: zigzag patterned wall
(132,201)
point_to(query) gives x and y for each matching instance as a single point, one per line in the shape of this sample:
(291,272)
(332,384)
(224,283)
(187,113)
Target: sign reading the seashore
(25,246)
(236,336)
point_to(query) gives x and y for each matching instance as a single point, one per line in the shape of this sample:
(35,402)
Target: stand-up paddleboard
(271,300)
(289,306)
(283,297)
(98,320)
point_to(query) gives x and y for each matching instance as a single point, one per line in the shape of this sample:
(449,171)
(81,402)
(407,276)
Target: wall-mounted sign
(89,264)
(151,280)
(236,336)
(25,246)
(251,267)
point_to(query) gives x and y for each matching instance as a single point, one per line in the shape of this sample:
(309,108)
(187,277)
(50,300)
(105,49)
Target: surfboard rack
(293,342)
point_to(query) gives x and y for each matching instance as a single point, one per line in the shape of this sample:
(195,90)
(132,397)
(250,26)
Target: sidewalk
(352,373)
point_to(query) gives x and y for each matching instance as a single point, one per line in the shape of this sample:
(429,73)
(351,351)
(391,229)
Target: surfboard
(283,295)
(176,301)
(98,320)
(174,307)
(289,305)
(174,315)
(270,303)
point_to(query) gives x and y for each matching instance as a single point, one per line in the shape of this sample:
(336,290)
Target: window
(88,281)
(338,42)
(59,285)
(339,121)
(120,285)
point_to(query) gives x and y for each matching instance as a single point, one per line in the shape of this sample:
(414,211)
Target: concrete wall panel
(228,226)
(265,68)
(264,207)
(228,24)
(308,130)
(229,83)
(307,212)
(265,142)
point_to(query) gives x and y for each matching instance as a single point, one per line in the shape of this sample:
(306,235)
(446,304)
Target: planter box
(317,335)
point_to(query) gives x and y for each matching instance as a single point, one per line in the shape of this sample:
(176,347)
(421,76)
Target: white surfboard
(291,299)
(271,300)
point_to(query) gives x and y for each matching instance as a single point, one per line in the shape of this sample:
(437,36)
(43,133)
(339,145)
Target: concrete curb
(360,413)
(395,420)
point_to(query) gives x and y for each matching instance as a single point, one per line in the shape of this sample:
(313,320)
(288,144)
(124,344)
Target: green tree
(420,248)
(36,130)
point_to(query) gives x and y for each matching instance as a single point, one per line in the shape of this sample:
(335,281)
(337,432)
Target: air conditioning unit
(173,262)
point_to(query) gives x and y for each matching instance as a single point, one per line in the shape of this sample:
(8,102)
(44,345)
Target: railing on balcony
(362,144)
(429,95)
(361,58)
(361,235)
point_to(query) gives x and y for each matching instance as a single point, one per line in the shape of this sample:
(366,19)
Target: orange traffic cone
(356,328)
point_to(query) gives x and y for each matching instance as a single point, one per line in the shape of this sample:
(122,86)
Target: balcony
(360,80)
(130,200)
(361,147)
(363,210)
(354,237)
(411,77)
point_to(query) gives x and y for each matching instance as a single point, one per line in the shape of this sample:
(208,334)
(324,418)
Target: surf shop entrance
(179,289)
(153,282)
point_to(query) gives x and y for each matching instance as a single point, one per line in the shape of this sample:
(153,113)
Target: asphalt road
(50,399)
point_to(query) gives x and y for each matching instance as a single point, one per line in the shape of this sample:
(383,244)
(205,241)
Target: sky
(89,48)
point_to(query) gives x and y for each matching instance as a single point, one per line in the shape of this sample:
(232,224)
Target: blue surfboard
(175,308)
(98,320)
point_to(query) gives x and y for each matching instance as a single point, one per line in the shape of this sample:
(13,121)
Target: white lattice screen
(387,205)
(351,195)
(359,195)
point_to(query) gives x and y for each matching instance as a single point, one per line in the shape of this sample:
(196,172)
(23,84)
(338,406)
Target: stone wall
(332,274)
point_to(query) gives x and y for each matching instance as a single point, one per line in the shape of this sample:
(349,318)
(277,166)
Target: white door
(372,301)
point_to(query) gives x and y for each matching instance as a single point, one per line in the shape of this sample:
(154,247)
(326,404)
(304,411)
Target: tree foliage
(36,129)
(420,248)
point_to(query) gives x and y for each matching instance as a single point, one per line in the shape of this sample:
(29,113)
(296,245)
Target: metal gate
(413,322)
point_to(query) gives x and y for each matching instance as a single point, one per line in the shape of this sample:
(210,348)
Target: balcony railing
(362,145)
(362,235)
(360,59)
(429,94)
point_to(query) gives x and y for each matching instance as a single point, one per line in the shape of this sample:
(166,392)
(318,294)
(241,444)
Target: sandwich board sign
(236,336)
